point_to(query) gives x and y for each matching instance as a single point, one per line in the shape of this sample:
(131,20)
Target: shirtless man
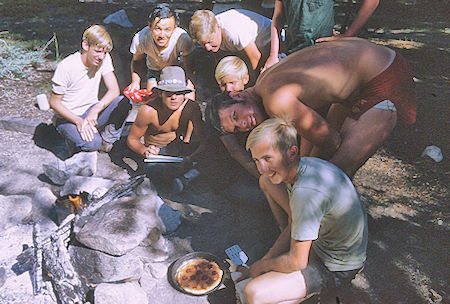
(367,86)
(167,122)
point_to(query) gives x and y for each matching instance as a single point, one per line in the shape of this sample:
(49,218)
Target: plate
(176,266)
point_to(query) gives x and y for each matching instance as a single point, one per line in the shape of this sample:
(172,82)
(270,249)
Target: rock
(434,153)
(82,164)
(104,268)
(42,204)
(14,210)
(96,186)
(120,226)
(123,293)
(120,18)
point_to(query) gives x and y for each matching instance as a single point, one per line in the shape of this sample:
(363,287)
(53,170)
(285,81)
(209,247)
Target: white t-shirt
(327,210)
(241,27)
(179,42)
(78,83)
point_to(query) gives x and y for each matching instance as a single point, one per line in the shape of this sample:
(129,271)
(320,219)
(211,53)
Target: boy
(167,123)
(324,243)
(75,85)
(163,43)
(236,31)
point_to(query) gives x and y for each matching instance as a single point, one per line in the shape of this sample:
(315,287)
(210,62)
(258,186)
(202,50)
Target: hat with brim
(172,79)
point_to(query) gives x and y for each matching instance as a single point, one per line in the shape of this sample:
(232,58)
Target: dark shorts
(153,74)
(318,278)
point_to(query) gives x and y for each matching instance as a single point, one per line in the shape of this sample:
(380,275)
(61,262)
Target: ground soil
(406,194)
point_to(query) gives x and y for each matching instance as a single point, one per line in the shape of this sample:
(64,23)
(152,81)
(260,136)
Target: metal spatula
(237,255)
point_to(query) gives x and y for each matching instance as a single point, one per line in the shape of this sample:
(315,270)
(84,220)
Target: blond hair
(282,133)
(96,35)
(231,65)
(202,25)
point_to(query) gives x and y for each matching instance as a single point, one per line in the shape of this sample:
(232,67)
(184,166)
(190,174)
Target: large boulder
(120,226)
(98,267)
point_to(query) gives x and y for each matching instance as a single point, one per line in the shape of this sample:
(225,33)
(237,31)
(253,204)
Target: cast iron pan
(173,269)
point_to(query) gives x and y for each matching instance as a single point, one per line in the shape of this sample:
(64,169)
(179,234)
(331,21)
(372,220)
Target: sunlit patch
(396,210)
(399,44)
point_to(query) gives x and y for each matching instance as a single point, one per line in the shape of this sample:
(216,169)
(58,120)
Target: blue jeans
(114,114)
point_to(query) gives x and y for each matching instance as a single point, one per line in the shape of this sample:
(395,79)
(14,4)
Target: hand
(336,35)
(245,273)
(134,86)
(270,62)
(151,150)
(257,269)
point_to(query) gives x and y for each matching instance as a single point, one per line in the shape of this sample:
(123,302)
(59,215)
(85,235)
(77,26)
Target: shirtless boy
(367,86)
(167,122)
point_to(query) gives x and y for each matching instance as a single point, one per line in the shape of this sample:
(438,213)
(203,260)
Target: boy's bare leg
(361,138)
(276,287)
(278,199)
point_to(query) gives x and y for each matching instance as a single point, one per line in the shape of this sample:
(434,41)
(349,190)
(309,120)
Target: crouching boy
(324,243)
(167,123)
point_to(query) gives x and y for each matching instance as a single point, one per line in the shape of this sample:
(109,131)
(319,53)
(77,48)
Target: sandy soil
(406,195)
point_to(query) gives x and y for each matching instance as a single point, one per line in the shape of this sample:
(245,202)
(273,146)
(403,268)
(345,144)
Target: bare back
(326,73)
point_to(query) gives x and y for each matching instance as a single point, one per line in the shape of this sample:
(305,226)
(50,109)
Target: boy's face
(172,100)
(240,117)
(231,83)
(94,54)
(161,30)
(212,43)
(270,161)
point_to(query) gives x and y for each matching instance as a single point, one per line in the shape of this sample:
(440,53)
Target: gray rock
(98,267)
(123,293)
(120,226)
(96,186)
(14,210)
(42,204)
(120,18)
(82,164)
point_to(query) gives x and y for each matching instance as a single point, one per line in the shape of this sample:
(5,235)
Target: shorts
(394,84)
(318,278)
(153,74)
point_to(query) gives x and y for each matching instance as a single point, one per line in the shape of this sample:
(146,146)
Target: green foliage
(15,57)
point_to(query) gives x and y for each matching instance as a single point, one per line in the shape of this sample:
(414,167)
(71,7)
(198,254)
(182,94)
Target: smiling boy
(162,43)
(324,244)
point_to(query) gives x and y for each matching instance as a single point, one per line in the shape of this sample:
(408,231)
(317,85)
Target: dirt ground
(406,195)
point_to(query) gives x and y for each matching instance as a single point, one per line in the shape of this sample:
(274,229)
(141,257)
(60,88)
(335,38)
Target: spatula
(237,255)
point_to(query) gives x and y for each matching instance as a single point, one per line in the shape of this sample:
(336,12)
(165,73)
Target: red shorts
(395,84)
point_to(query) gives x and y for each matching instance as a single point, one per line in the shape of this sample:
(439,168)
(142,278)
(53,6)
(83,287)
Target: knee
(253,293)
(93,145)
(264,183)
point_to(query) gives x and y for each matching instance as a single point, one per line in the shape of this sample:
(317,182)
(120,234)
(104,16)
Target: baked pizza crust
(199,276)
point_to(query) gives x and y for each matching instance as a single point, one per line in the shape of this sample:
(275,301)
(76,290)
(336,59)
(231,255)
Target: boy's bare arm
(137,71)
(144,118)
(239,154)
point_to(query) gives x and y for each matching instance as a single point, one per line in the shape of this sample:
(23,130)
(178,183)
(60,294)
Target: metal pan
(175,266)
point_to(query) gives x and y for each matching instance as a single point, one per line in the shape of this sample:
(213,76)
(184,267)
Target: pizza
(199,276)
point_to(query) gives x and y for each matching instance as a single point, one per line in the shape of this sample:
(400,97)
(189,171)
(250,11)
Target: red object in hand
(136,95)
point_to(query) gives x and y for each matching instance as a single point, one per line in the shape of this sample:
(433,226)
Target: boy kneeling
(324,243)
